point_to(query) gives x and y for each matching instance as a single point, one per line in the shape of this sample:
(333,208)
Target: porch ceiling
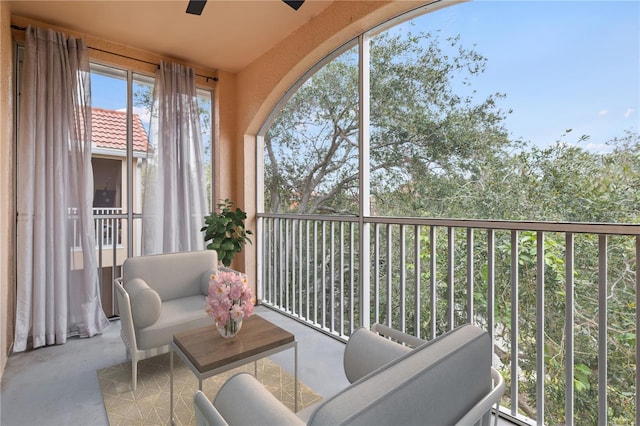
(228,35)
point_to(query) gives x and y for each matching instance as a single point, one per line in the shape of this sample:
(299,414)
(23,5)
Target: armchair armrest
(206,413)
(367,351)
(243,400)
(126,319)
(483,407)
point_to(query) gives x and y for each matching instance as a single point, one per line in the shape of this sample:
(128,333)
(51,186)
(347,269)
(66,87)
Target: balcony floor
(58,385)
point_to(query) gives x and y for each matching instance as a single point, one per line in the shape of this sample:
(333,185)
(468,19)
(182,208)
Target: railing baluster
(432,279)
(285,275)
(417,288)
(514,322)
(403,277)
(450,277)
(273,262)
(602,329)
(470,273)
(569,329)
(352,269)
(315,271)
(300,268)
(281,260)
(309,264)
(491,283)
(324,275)
(267,252)
(341,282)
(376,282)
(332,280)
(291,261)
(389,276)
(540,346)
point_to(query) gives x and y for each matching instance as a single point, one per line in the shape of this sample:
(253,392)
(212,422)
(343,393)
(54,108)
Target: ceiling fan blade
(295,4)
(195,6)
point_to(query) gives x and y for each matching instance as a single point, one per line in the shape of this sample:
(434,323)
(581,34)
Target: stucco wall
(7,212)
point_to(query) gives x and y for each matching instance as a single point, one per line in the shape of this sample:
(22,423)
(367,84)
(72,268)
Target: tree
(420,129)
(436,153)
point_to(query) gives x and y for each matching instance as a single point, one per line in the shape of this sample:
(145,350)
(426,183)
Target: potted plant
(225,228)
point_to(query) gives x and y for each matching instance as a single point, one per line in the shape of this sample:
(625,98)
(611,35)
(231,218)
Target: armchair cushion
(145,303)
(177,316)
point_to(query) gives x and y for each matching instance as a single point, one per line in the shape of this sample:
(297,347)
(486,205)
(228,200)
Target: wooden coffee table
(207,353)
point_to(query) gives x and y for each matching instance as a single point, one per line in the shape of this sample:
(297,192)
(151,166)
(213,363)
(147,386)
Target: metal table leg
(295,376)
(171,385)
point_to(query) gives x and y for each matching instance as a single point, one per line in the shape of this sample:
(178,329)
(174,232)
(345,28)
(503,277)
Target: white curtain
(57,278)
(174,201)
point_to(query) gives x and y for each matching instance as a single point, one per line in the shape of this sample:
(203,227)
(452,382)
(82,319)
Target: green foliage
(225,229)
(436,153)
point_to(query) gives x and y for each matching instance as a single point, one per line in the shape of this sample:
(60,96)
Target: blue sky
(562,64)
(108,92)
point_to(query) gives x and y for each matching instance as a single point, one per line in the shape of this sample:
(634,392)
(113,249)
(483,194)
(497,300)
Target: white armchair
(159,296)
(448,380)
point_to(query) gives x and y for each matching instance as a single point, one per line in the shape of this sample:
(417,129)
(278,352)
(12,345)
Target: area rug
(149,404)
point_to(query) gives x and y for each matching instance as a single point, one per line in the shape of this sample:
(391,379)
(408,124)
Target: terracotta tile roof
(109,130)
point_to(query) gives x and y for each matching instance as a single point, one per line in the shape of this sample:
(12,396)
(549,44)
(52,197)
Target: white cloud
(598,147)
(629,112)
(603,112)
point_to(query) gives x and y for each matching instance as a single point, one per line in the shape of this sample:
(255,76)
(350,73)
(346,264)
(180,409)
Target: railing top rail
(507,225)
(320,217)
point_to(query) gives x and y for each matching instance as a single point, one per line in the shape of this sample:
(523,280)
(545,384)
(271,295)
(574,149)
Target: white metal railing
(538,287)
(108,227)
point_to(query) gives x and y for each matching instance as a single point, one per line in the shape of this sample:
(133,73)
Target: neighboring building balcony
(559,299)
(108,228)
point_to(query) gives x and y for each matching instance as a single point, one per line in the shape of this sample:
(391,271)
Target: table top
(207,350)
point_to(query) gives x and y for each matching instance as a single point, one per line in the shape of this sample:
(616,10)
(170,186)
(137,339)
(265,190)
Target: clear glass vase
(230,329)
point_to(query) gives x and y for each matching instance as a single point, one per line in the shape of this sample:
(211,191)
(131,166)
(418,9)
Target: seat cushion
(176,316)
(434,384)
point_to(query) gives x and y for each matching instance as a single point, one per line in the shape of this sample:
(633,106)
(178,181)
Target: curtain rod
(15,27)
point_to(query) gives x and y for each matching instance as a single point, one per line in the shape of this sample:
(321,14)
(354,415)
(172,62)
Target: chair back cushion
(434,384)
(172,275)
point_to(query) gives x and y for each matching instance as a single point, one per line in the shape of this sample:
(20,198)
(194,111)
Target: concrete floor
(58,385)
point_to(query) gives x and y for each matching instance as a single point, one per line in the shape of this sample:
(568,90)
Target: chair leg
(134,373)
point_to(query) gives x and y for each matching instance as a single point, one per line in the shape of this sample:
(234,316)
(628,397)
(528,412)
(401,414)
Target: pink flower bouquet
(230,299)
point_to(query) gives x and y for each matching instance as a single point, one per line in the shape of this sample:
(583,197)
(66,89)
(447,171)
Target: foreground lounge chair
(448,380)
